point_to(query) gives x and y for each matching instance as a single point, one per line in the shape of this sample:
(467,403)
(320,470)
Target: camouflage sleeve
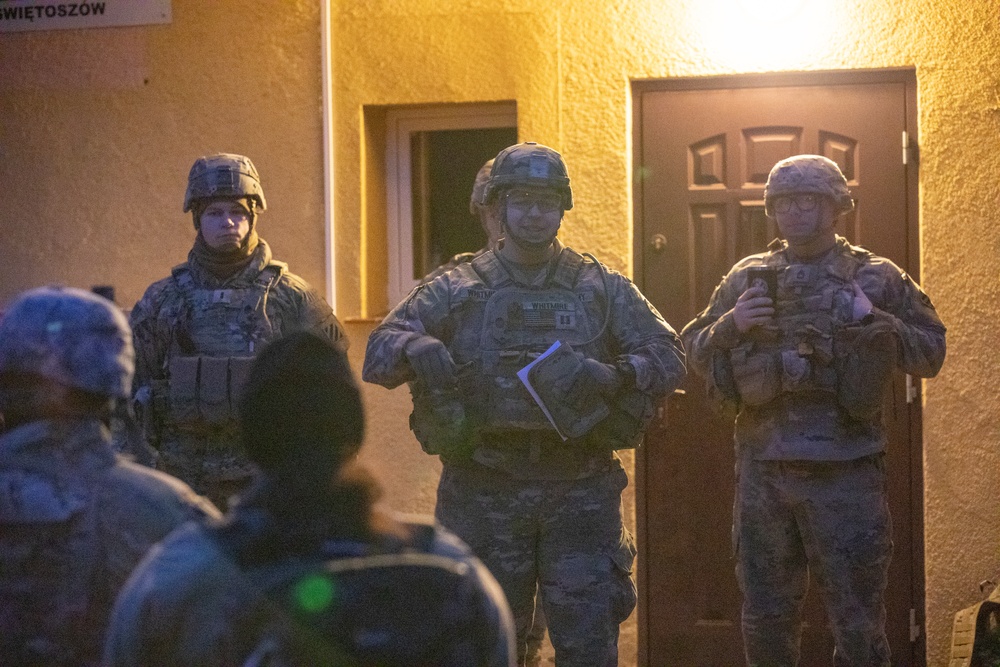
(899,300)
(314,314)
(424,312)
(645,339)
(150,345)
(713,330)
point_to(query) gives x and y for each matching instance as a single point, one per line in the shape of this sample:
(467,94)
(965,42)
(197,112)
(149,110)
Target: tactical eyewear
(804,202)
(523,201)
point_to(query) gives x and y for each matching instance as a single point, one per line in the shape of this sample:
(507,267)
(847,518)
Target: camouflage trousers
(215,470)
(829,519)
(566,537)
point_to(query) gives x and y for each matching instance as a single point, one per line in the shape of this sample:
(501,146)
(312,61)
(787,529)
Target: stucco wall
(98,128)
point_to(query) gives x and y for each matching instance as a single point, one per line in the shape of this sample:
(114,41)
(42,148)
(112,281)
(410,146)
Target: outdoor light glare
(763,35)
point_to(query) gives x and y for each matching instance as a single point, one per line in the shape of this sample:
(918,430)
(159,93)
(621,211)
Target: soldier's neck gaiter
(225,264)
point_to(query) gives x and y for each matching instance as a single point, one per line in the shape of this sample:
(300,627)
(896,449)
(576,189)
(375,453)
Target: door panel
(702,158)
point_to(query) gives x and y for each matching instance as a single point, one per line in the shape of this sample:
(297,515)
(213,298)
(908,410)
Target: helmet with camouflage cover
(70,336)
(528,165)
(220,176)
(479,186)
(801,174)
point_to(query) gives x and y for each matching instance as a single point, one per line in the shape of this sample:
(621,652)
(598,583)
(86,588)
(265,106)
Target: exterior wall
(98,128)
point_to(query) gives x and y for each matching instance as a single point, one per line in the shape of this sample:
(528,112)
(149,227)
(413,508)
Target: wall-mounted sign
(21,15)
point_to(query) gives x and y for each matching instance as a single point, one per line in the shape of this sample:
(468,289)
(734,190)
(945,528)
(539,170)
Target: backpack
(395,607)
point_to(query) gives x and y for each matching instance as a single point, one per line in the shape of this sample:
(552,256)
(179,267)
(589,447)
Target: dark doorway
(703,149)
(445,163)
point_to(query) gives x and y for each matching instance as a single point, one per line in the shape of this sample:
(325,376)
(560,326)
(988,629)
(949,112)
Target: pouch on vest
(975,638)
(550,377)
(795,372)
(757,376)
(865,358)
(184,389)
(439,422)
(239,371)
(213,390)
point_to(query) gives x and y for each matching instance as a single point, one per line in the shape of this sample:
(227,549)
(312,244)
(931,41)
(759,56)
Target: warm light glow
(762,35)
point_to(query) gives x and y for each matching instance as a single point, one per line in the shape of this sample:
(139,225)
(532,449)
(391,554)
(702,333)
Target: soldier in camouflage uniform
(74,518)
(807,367)
(197,331)
(540,507)
(206,596)
(490,222)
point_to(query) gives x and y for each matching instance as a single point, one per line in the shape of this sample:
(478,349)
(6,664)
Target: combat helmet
(223,175)
(479,186)
(528,164)
(802,174)
(69,336)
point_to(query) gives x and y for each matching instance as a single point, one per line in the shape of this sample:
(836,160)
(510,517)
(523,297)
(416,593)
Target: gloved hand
(593,377)
(431,362)
(753,308)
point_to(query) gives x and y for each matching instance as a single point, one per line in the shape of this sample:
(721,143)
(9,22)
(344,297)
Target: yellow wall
(98,129)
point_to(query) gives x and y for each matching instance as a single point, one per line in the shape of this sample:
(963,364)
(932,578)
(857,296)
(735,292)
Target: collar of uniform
(260,259)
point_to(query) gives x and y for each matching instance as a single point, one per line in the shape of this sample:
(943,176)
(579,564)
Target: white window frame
(400,125)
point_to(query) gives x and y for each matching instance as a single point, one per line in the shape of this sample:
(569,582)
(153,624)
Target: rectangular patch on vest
(798,275)
(222,296)
(476,294)
(549,315)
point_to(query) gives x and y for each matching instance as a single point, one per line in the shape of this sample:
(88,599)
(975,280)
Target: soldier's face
(805,224)
(533,216)
(224,224)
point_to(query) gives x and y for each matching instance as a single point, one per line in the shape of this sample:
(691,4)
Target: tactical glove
(431,362)
(593,376)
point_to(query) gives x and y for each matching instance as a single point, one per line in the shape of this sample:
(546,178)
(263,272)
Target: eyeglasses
(804,202)
(523,201)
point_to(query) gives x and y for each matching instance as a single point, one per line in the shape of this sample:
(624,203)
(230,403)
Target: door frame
(909,152)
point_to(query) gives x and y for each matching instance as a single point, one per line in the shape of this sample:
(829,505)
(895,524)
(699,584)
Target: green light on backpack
(314,593)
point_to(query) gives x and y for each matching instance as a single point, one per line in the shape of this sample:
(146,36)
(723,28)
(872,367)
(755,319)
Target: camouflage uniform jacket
(182,605)
(194,314)
(460,258)
(811,425)
(452,307)
(74,521)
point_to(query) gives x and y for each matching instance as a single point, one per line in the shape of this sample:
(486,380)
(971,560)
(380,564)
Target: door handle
(658,243)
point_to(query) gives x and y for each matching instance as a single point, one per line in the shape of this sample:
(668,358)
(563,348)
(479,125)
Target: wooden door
(703,149)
